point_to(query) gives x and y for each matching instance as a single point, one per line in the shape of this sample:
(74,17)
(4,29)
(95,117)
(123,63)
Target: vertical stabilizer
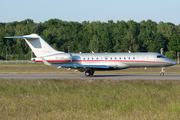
(39,46)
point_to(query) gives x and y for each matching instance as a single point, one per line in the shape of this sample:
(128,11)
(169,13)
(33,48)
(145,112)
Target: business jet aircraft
(91,62)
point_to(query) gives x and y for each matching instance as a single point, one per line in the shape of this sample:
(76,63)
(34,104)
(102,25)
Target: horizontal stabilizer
(82,66)
(22,37)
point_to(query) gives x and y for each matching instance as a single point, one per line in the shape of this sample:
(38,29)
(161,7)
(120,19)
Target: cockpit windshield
(160,56)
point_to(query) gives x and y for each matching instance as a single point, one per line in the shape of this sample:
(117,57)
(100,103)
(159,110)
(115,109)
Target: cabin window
(97,58)
(88,58)
(106,58)
(124,58)
(133,58)
(120,58)
(160,56)
(92,58)
(115,58)
(83,58)
(129,58)
(111,58)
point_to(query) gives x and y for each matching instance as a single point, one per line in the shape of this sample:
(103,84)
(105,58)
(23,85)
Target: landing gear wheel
(92,73)
(162,74)
(162,71)
(87,73)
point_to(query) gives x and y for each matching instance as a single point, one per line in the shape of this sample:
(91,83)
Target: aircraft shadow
(111,75)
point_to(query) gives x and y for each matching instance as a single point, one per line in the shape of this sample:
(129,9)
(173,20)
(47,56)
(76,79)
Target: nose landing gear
(162,71)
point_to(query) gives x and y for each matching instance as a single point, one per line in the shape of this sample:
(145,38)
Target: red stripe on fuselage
(135,61)
(138,61)
(54,61)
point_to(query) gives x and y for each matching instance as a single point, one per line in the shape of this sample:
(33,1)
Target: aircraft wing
(75,65)
(81,66)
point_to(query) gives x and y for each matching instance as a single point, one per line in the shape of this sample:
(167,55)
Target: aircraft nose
(174,63)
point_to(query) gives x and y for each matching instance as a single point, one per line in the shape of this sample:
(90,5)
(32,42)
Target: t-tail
(39,46)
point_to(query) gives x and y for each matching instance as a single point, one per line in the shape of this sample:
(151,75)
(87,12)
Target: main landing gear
(89,72)
(162,71)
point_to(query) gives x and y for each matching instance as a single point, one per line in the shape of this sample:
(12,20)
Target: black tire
(161,74)
(92,73)
(87,73)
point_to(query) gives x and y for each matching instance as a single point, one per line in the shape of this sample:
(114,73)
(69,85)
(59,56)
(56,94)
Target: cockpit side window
(160,56)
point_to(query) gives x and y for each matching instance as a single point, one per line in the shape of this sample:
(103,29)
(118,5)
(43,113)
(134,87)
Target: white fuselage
(114,60)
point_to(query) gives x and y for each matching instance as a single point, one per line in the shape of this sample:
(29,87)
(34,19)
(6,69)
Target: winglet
(45,61)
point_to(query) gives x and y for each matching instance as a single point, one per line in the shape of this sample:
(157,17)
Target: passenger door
(106,59)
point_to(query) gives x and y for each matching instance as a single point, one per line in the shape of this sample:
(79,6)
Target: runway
(96,76)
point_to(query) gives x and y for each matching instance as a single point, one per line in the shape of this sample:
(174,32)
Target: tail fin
(39,46)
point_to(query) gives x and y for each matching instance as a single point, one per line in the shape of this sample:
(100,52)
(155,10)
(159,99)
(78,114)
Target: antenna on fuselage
(161,50)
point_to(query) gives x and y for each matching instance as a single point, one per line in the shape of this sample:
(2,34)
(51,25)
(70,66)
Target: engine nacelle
(59,58)
(63,56)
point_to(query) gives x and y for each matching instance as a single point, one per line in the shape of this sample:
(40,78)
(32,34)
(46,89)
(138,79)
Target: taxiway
(96,76)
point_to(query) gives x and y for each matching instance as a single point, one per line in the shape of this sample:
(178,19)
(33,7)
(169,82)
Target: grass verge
(89,99)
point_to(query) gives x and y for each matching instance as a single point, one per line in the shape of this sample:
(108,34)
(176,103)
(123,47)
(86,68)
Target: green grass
(89,99)
(43,69)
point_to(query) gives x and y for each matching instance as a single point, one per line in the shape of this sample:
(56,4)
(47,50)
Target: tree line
(85,37)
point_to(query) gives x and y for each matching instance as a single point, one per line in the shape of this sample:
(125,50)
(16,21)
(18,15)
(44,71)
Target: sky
(90,10)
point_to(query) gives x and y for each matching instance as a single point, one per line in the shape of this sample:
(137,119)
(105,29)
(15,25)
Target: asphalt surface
(96,76)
